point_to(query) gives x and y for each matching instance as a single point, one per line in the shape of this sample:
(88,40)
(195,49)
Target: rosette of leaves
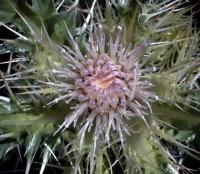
(50,37)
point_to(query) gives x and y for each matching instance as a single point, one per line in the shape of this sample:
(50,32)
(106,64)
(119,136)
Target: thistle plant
(109,88)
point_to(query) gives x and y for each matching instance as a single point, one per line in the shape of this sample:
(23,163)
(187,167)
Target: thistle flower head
(107,84)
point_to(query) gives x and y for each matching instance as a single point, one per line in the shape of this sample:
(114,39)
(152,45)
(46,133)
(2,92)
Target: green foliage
(44,31)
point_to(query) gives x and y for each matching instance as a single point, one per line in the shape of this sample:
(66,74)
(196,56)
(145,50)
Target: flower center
(104,82)
(101,84)
(104,85)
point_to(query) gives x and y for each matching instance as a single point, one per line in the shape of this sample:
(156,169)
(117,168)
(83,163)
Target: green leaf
(59,33)
(176,117)
(44,7)
(25,18)
(20,45)
(6,12)
(6,108)
(32,144)
(6,48)
(5,148)
(185,136)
